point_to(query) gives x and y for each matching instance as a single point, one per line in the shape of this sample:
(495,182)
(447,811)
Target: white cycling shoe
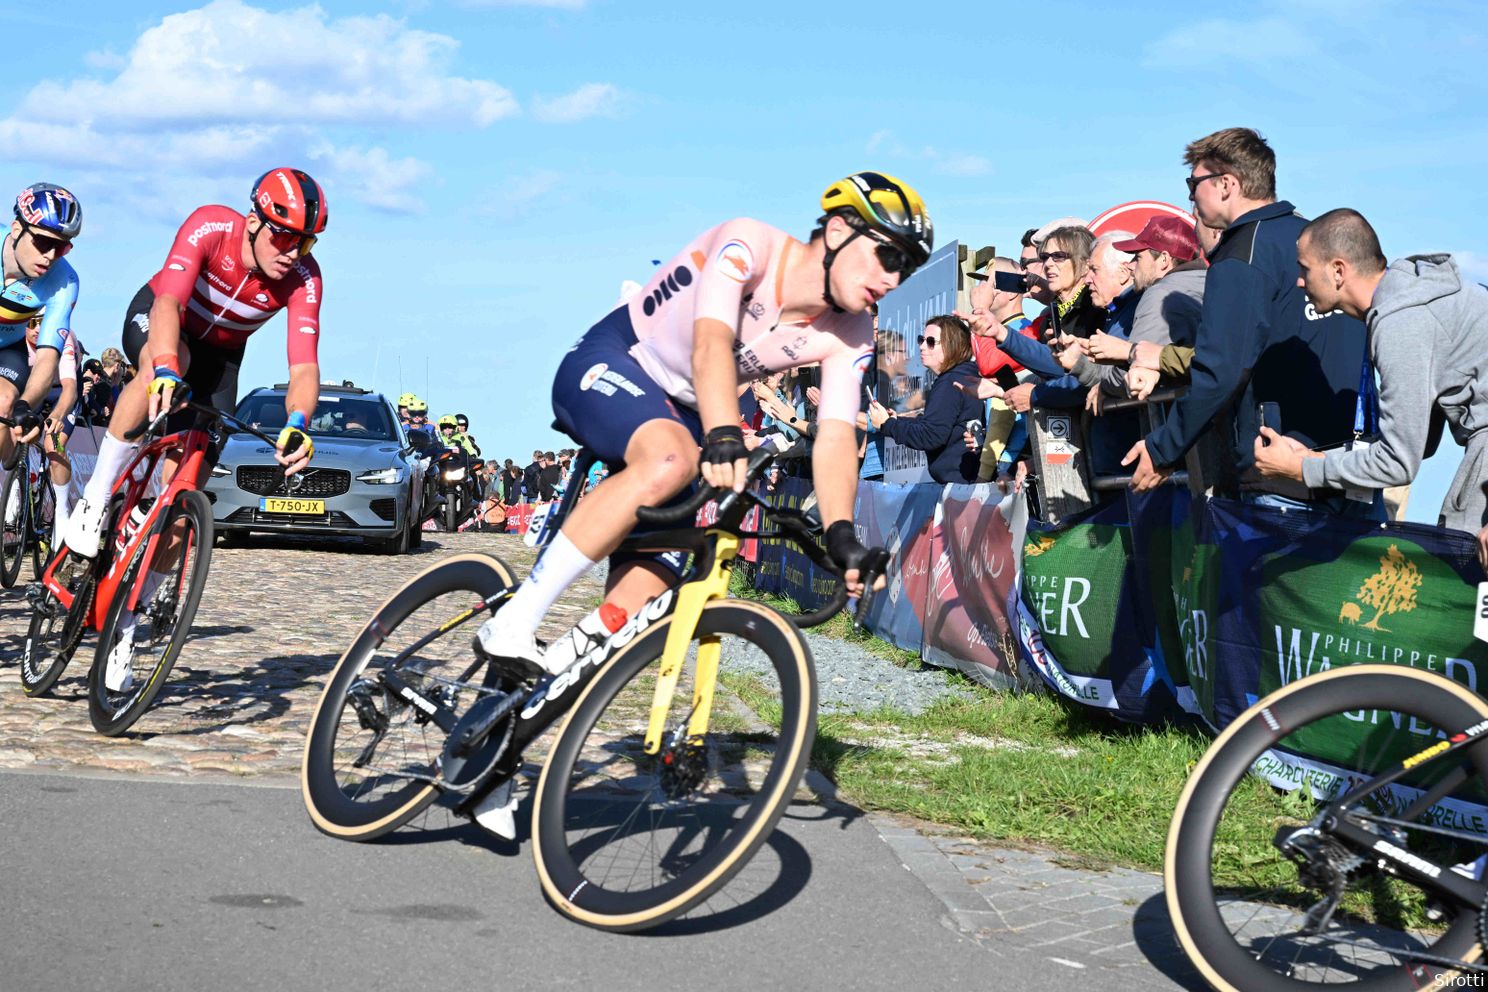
(501,640)
(13,507)
(118,671)
(498,811)
(84,531)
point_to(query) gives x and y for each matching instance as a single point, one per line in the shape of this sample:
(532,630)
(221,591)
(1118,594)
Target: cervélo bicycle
(688,730)
(141,590)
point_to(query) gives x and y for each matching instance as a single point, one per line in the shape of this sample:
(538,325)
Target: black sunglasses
(46,244)
(927,340)
(891,256)
(280,233)
(1193,181)
(1053,256)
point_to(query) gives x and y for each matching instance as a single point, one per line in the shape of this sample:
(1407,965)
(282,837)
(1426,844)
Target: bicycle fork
(691,599)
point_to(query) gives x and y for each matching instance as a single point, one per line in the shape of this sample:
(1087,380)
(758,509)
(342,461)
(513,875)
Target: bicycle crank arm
(442,716)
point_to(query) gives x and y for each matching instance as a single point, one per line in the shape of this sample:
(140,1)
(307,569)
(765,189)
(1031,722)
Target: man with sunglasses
(227,273)
(659,377)
(38,280)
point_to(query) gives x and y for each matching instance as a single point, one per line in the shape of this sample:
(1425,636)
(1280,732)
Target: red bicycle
(141,590)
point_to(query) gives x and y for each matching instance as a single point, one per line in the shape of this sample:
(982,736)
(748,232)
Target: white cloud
(1473,265)
(375,178)
(219,90)
(962,165)
(1267,40)
(589,100)
(516,196)
(556,4)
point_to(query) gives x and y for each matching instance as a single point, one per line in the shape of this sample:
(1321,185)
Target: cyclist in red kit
(186,329)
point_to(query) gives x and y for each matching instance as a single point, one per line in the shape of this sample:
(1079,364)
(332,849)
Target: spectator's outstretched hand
(1145,475)
(1108,348)
(986,389)
(1093,401)
(1144,354)
(1020,398)
(1141,382)
(1069,351)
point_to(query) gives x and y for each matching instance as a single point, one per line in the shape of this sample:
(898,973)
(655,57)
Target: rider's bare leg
(660,460)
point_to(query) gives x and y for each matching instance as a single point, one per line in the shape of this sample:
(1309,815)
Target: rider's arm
(728,274)
(304,389)
(52,336)
(173,286)
(66,400)
(715,377)
(303,313)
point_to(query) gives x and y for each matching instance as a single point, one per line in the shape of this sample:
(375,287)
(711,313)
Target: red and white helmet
(290,199)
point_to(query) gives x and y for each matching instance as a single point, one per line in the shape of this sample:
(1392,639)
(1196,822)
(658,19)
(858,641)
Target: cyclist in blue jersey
(37,278)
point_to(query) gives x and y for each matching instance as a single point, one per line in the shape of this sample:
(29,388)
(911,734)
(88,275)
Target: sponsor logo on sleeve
(592,376)
(307,330)
(176,267)
(736,261)
(261,298)
(861,363)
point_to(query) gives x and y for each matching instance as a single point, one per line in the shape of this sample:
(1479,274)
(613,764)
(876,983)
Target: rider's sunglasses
(286,240)
(891,256)
(45,244)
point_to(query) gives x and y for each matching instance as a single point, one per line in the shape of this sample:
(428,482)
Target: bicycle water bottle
(586,635)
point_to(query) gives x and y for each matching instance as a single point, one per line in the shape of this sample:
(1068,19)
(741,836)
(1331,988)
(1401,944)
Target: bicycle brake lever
(874,564)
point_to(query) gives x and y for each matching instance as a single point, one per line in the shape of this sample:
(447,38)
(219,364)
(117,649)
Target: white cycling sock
(62,495)
(113,455)
(561,565)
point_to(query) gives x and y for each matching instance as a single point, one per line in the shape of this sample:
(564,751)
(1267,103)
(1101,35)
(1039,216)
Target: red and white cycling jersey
(224,302)
(733,273)
(67,364)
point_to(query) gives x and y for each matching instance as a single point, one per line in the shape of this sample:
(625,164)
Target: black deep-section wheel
(370,756)
(624,840)
(54,632)
(1247,913)
(146,639)
(16,523)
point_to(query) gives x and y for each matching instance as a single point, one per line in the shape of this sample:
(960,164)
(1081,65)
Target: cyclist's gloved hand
(725,459)
(25,418)
(294,447)
(167,389)
(848,554)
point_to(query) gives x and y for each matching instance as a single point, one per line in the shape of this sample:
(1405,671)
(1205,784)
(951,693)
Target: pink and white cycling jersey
(67,364)
(733,273)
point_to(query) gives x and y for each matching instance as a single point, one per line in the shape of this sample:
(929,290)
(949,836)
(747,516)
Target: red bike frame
(127,535)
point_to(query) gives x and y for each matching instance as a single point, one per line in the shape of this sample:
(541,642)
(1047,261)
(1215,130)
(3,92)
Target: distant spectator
(1428,339)
(997,303)
(550,479)
(1259,341)
(511,483)
(532,478)
(945,348)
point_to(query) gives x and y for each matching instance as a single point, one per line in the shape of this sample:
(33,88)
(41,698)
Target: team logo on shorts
(592,376)
(736,261)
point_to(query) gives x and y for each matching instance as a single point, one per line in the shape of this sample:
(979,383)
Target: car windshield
(335,416)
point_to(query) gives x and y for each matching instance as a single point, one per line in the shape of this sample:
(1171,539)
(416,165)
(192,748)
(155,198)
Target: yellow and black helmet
(407,399)
(448,420)
(418,406)
(888,205)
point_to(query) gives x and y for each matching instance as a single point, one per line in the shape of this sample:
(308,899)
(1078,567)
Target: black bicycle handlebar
(686,511)
(229,421)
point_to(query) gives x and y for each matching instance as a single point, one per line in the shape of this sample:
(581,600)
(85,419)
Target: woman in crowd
(1065,254)
(945,348)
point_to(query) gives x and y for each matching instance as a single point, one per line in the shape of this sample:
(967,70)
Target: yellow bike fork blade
(691,599)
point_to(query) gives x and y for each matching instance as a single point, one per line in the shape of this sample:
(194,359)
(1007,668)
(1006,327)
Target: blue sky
(496,169)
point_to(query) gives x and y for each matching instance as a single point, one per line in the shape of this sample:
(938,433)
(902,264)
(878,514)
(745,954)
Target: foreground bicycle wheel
(43,518)
(625,840)
(370,757)
(1251,918)
(146,640)
(15,509)
(54,632)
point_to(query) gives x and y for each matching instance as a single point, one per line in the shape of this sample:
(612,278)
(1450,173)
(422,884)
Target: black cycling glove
(724,445)
(23,416)
(843,546)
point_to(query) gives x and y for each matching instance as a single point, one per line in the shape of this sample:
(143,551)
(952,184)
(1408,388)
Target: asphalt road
(113,884)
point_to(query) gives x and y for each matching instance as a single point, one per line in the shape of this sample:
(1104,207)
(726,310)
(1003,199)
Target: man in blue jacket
(1259,340)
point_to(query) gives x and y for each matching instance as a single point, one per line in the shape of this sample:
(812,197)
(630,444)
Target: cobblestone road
(274,619)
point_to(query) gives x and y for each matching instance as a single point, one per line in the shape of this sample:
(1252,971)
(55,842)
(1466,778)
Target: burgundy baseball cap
(1173,235)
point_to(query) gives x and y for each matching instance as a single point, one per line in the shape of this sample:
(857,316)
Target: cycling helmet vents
(418,406)
(448,421)
(50,208)
(290,199)
(885,204)
(407,399)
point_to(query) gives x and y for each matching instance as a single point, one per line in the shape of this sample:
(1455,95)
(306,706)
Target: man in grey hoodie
(1428,340)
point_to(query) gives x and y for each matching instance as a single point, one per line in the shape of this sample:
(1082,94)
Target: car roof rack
(345,386)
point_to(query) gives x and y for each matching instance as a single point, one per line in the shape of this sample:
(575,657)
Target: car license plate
(278,505)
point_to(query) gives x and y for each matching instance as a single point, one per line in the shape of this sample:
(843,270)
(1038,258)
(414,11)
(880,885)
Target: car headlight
(454,474)
(221,470)
(383,476)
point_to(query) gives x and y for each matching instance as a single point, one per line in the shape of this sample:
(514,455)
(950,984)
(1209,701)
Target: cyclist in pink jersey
(225,276)
(659,377)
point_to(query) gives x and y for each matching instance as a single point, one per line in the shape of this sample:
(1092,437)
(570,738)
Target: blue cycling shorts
(602,395)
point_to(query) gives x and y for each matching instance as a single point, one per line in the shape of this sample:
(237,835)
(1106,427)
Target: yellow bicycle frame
(691,598)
